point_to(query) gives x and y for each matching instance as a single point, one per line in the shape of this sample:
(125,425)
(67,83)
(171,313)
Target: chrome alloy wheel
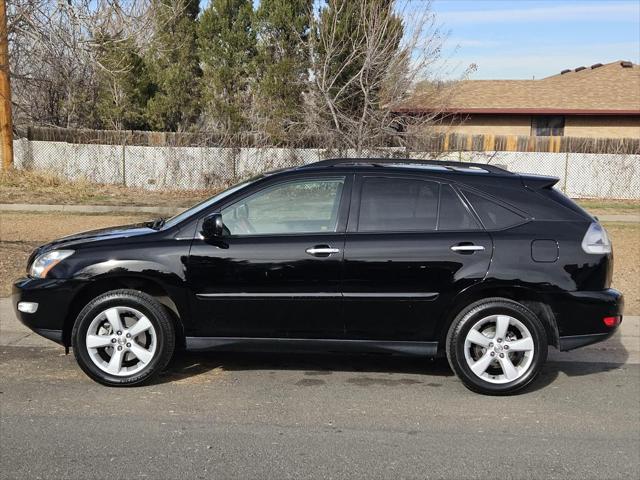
(121,341)
(499,349)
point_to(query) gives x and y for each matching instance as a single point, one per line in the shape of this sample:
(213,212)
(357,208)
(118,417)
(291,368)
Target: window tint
(493,215)
(453,213)
(397,204)
(304,206)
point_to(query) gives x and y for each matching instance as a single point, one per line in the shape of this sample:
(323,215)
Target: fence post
(235,164)
(566,173)
(124,165)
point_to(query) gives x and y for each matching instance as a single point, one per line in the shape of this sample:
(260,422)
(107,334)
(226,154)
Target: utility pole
(6,129)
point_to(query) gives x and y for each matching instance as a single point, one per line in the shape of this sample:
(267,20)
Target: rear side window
(454,215)
(493,215)
(398,204)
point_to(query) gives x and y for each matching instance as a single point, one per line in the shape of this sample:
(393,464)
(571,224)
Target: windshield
(175,220)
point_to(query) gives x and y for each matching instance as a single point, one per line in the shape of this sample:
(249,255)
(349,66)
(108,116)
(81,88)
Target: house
(597,101)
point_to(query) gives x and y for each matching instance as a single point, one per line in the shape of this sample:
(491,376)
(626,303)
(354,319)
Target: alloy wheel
(499,349)
(121,341)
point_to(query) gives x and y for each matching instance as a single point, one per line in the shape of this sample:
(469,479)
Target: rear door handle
(467,248)
(322,250)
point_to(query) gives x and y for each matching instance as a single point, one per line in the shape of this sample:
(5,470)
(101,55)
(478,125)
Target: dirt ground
(626,263)
(17,186)
(20,233)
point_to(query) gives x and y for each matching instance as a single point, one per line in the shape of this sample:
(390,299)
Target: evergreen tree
(227,49)
(174,66)
(283,64)
(124,86)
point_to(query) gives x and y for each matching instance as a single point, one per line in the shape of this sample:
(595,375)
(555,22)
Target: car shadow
(597,358)
(607,356)
(187,364)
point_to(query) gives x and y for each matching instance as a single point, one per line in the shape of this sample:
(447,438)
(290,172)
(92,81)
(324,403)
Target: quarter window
(303,206)
(493,215)
(398,204)
(454,216)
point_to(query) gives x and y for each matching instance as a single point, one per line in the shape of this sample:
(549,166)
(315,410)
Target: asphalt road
(313,416)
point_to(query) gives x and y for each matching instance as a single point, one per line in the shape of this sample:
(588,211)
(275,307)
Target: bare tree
(53,55)
(366,72)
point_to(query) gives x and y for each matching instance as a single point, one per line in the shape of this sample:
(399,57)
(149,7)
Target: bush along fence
(582,175)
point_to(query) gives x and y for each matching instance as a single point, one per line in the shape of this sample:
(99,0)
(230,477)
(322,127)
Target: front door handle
(469,248)
(322,250)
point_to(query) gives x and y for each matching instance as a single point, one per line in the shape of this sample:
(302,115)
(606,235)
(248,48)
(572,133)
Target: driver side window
(299,206)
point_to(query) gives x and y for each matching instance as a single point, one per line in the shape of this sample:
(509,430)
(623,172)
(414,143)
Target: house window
(547,126)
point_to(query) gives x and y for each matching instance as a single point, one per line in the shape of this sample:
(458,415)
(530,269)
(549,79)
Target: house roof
(610,89)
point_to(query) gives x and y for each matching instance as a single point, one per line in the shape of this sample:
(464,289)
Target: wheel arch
(535,301)
(105,284)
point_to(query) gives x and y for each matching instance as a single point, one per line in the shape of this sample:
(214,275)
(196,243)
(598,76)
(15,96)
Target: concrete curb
(28,207)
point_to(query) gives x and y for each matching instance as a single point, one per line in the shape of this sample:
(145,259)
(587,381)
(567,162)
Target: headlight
(45,262)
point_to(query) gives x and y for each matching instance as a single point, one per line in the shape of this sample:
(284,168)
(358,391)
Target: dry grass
(601,207)
(21,232)
(20,186)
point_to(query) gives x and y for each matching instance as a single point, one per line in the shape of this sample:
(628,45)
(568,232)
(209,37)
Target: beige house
(598,101)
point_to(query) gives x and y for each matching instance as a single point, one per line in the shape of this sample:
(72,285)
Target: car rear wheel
(496,346)
(123,338)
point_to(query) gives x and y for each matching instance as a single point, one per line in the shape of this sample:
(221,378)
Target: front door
(277,273)
(411,245)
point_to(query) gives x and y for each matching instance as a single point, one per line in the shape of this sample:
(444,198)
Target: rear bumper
(53,297)
(576,341)
(580,315)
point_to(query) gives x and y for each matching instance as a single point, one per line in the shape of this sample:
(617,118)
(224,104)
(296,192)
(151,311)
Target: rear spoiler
(538,182)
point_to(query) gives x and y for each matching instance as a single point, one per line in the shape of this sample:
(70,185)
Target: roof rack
(454,166)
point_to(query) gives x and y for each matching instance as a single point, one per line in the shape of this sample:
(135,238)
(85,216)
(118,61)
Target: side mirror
(212,226)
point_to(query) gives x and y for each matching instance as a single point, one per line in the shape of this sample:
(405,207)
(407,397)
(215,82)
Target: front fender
(153,277)
(164,281)
(144,268)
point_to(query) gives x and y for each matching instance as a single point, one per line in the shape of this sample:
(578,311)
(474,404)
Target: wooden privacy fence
(430,142)
(456,142)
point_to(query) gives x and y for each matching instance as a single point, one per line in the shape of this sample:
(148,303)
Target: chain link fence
(582,175)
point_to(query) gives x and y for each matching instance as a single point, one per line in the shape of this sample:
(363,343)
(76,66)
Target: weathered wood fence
(442,142)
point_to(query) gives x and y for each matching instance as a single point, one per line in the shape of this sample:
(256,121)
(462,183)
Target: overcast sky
(522,39)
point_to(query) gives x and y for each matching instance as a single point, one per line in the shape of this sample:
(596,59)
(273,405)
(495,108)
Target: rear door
(411,245)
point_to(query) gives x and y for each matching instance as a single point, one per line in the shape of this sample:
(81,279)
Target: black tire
(162,324)
(467,318)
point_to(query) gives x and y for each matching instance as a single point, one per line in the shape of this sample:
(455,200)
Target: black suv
(389,256)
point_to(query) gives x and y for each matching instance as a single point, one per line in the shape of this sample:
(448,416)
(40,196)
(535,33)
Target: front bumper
(54,298)
(580,315)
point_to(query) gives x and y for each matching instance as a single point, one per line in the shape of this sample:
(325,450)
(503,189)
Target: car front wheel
(123,338)
(496,346)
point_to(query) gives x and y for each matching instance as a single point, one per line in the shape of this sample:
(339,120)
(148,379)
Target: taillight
(611,321)
(596,240)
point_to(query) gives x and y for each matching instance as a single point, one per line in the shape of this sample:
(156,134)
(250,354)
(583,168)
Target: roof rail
(407,161)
